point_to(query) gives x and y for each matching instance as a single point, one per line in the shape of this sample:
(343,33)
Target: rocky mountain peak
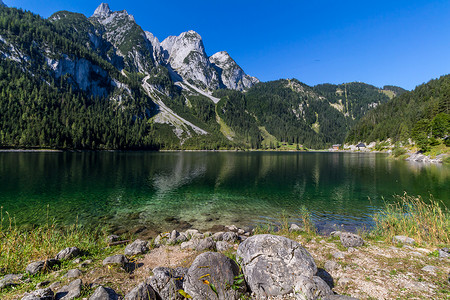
(231,74)
(102,10)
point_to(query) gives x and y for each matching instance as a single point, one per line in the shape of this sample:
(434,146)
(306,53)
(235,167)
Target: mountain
(424,111)
(103,82)
(232,76)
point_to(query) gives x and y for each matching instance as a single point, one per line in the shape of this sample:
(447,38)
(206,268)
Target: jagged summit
(102,10)
(231,74)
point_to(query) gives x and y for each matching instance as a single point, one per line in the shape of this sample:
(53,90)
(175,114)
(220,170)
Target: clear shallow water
(200,189)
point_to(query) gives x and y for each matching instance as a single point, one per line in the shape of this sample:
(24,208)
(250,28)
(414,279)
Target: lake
(166,190)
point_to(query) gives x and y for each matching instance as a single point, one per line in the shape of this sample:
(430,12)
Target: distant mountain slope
(398,118)
(102,82)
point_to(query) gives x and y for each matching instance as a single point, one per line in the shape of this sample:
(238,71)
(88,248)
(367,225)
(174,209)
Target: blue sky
(381,42)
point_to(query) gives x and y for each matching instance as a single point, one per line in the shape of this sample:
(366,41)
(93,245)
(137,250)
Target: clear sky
(380,42)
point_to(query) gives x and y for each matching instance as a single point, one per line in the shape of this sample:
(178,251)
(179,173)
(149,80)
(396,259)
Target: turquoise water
(201,189)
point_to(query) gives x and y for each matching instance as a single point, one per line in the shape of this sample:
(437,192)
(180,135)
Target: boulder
(218,236)
(38,266)
(68,253)
(351,240)
(306,288)
(192,244)
(274,264)
(211,276)
(222,246)
(166,282)
(230,237)
(143,291)
(43,284)
(135,248)
(10,280)
(401,239)
(206,244)
(74,273)
(191,232)
(70,291)
(118,259)
(104,293)
(42,294)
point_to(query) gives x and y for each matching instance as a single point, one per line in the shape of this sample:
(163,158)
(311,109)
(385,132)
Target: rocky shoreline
(196,265)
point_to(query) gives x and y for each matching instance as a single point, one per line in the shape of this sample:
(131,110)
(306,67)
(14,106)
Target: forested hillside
(422,115)
(73,82)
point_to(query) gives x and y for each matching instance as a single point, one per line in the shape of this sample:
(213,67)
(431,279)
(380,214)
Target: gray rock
(68,253)
(191,232)
(218,270)
(118,259)
(173,237)
(112,238)
(306,288)
(77,260)
(70,291)
(222,246)
(166,282)
(10,280)
(232,228)
(162,239)
(206,244)
(55,285)
(338,297)
(38,266)
(295,228)
(74,273)
(401,239)
(42,284)
(218,236)
(331,265)
(273,264)
(444,253)
(192,244)
(143,291)
(135,248)
(104,293)
(429,269)
(42,294)
(351,240)
(230,237)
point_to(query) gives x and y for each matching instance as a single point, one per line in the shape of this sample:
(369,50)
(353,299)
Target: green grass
(19,247)
(426,221)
